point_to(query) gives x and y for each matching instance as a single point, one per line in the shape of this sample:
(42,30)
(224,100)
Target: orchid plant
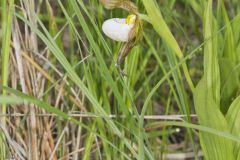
(127,30)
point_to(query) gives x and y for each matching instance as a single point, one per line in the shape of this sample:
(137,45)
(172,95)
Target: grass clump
(64,98)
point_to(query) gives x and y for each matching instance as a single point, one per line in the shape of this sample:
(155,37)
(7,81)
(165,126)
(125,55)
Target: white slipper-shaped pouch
(119,29)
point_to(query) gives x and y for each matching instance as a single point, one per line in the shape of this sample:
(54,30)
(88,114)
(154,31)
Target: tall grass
(67,100)
(7,12)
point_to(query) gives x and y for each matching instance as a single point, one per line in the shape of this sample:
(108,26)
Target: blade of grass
(48,40)
(55,110)
(162,29)
(10,100)
(210,131)
(7,14)
(101,67)
(88,143)
(51,109)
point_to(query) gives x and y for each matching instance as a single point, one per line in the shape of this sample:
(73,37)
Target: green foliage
(161,70)
(218,86)
(233,119)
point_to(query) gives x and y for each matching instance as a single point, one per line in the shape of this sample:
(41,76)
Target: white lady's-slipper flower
(119,29)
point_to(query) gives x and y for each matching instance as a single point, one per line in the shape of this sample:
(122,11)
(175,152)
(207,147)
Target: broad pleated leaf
(233,119)
(214,147)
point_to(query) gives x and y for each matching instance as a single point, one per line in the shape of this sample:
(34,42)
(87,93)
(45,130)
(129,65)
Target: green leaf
(10,100)
(211,67)
(88,143)
(163,30)
(214,147)
(229,83)
(233,119)
(207,95)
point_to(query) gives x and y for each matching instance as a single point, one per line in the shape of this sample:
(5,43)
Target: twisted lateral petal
(109,4)
(117,29)
(124,4)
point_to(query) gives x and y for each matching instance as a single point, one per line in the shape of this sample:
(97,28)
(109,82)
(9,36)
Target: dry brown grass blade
(48,77)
